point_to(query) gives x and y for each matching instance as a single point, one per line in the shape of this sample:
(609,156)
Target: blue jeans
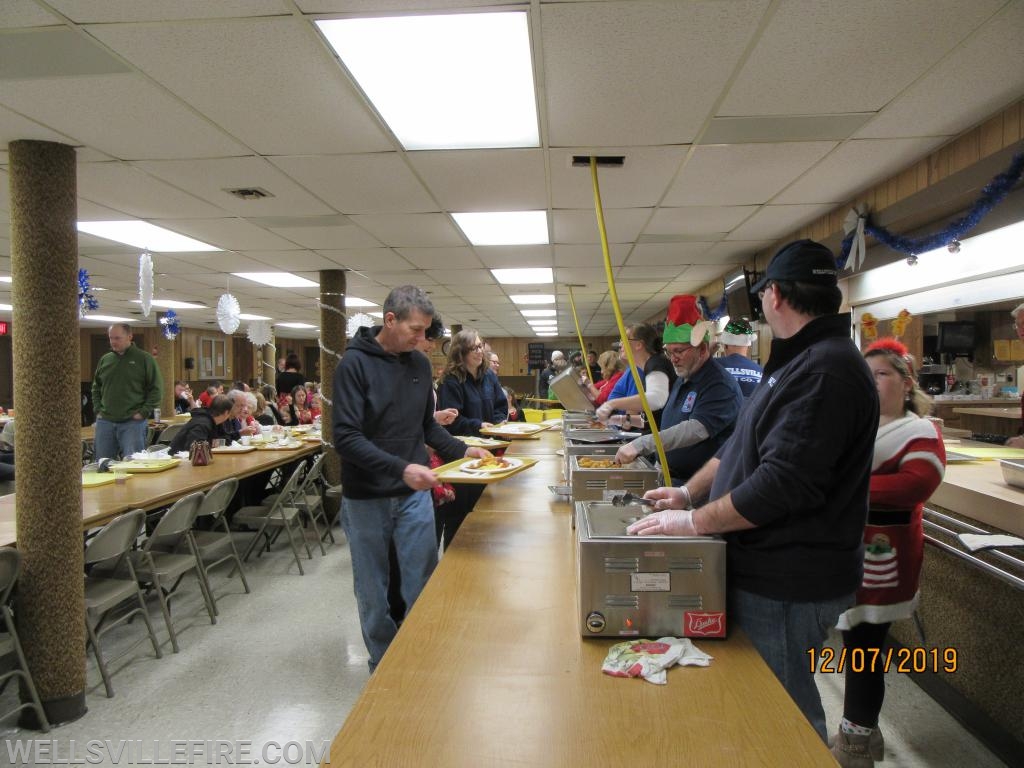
(371,525)
(119,438)
(783,632)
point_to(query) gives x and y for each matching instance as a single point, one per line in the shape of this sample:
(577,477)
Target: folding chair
(10,566)
(217,546)
(281,513)
(104,592)
(310,500)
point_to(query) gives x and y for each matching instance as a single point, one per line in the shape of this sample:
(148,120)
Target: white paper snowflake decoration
(259,332)
(227,313)
(146,282)
(356,321)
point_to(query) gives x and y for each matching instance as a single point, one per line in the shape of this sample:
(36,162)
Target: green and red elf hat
(685,324)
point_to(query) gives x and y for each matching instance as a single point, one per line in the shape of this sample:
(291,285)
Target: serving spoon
(625,499)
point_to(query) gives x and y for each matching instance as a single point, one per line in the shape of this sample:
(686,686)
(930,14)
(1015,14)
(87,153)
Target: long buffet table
(489,668)
(151,491)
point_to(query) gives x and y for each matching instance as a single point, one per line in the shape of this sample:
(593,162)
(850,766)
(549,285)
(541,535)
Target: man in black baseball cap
(790,489)
(802,261)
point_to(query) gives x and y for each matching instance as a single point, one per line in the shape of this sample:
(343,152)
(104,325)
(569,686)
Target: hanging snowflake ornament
(259,332)
(146,282)
(86,301)
(171,329)
(227,313)
(357,321)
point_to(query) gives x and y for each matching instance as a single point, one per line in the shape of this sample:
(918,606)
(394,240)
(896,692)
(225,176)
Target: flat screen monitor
(739,300)
(957,337)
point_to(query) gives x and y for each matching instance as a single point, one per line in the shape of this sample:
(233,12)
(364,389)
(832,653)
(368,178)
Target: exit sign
(4,328)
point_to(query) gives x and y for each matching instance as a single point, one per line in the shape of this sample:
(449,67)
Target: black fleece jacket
(199,427)
(383,414)
(798,466)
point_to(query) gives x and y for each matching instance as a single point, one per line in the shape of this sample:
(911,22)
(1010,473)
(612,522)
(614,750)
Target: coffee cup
(244,439)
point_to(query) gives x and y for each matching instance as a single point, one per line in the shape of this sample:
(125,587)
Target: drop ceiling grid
(979,77)
(867,52)
(328,238)
(623,226)
(639,183)
(429,230)
(367,259)
(229,233)
(121,115)
(852,166)
(501,179)
(639,73)
(698,220)
(772,219)
(119,186)
(103,11)
(209,179)
(515,255)
(461,257)
(258,61)
(742,174)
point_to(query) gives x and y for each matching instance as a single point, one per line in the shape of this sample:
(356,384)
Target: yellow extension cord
(579,335)
(666,477)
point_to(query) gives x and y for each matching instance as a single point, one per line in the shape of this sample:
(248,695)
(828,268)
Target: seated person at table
(612,368)
(298,408)
(238,424)
(270,395)
(204,424)
(207,395)
(183,400)
(291,376)
(264,416)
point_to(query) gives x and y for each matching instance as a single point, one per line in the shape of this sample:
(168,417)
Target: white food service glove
(667,522)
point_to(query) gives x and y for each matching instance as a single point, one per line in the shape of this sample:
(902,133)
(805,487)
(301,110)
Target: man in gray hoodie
(383,419)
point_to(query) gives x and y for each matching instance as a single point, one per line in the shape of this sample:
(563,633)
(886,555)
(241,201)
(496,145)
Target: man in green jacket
(126,389)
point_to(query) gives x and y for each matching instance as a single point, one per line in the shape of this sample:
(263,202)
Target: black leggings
(865,690)
(448,517)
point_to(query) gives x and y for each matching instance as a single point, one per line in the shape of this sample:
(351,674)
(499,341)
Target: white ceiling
(739,121)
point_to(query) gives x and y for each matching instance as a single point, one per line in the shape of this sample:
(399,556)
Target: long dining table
(150,491)
(489,667)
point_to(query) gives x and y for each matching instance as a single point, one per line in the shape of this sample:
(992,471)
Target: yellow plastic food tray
(137,466)
(450,472)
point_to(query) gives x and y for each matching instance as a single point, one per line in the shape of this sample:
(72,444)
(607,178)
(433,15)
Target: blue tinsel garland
(86,301)
(990,197)
(723,307)
(170,323)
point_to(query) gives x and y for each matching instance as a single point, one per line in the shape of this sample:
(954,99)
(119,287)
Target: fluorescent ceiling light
(277,279)
(533,298)
(504,227)
(6,279)
(142,234)
(538,312)
(352,301)
(108,319)
(171,304)
(295,325)
(540,321)
(245,316)
(547,333)
(446,81)
(527,276)
(6,308)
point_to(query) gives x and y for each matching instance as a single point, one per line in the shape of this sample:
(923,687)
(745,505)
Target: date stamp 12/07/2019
(837,661)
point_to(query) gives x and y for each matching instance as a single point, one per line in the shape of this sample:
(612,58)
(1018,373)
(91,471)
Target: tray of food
(291,445)
(96,479)
(514,430)
(139,466)
(482,442)
(233,448)
(482,471)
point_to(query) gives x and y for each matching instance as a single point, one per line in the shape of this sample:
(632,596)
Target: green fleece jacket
(126,384)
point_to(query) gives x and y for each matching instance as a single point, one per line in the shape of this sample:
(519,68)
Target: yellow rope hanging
(579,335)
(618,320)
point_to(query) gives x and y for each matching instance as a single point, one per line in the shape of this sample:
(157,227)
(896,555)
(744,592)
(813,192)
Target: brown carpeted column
(333,286)
(44,263)
(166,349)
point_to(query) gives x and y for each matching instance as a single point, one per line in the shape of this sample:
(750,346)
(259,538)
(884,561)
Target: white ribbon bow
(855,220)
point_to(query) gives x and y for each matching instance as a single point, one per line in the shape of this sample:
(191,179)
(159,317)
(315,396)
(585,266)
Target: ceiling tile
(441,258)
(503,180)
(374,183)
(588,255)
(411,230)
(515,255)
(257,61)
(697,221)
(228,234)
(772,219)
(92,11)
(640,182)
(119,186)
(368,258)
(623,225)
(668,254)
(328,238)
(742,174)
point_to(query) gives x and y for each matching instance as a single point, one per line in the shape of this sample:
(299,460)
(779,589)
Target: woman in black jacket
(469,386)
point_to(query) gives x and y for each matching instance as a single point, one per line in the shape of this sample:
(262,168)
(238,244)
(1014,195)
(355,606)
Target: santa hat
(737,333)
(685,323)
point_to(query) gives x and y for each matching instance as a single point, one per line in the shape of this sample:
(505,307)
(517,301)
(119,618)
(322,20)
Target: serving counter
(490,669)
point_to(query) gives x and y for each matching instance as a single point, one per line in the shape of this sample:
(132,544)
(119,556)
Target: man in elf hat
(790,488)
(736,340)
(704,401)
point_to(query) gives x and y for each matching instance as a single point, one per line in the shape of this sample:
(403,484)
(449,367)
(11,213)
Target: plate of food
(481,442)
(492,465)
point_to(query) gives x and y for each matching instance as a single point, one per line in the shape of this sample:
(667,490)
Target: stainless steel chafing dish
(573,448)
(593,483)
(1013,471)
(652,585)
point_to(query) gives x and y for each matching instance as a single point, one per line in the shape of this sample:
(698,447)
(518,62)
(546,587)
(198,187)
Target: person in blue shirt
(656,375)
(704,402)
(736,341)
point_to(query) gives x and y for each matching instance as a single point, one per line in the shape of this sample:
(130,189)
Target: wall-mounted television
(957,337)
(739,300)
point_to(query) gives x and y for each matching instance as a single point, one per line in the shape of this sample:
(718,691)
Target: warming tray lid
(604,520)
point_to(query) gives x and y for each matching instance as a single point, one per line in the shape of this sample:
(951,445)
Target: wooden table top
(151,491)
(997,413)
(489,668)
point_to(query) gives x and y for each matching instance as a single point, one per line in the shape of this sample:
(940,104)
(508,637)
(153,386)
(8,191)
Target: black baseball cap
(802,261)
